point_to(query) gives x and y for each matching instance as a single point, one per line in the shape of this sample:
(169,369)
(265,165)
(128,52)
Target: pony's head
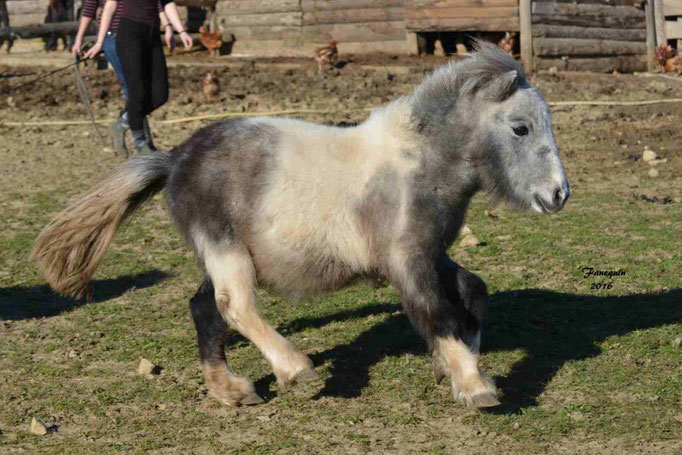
(483,111)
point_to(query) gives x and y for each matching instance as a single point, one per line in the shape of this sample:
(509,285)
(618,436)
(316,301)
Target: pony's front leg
(232,273)
(446,304)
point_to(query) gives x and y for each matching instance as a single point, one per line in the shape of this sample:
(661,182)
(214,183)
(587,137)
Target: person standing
(139,49)
(120,126)
(4,22)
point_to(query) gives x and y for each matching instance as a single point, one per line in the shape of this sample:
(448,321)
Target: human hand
(93,51)
(187,40)
(76,48)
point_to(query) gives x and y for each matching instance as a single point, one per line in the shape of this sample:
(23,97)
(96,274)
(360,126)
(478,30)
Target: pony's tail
(71,247)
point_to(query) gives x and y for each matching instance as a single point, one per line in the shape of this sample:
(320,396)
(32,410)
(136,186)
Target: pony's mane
(441,90)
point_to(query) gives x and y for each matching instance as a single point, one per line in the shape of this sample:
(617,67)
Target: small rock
(657,161)
(107,150)
(677,342)
(10,102)
(653,172)
(38,427)
(553,71)
(146,367)
(648,155)
(491,214)
(577,416)
(469,240)
(72,354)
(466,230)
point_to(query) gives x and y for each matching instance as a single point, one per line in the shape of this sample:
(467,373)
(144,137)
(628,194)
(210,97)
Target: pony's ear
(501,87)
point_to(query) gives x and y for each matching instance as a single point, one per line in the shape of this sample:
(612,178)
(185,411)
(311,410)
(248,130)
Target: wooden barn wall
(599,35)
(26,12)
(462,15)
(313,21)
(353,20)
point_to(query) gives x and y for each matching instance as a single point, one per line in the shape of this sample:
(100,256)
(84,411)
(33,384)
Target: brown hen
(327,55)
(211,40)
(211,85)
(507,43)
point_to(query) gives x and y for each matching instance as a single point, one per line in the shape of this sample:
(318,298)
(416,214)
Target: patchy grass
(581,370)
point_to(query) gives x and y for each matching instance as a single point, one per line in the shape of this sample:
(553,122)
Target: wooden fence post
(526,32)
(650,35)
(659,20)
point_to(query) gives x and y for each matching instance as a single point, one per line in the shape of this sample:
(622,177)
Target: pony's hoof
(303,376)
(251,399)
(440,370)
(307,375)
(234,393)
(485,400)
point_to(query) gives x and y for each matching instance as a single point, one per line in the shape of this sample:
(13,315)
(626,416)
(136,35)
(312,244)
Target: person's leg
(120,126)
(4,22)
(158,85)
(109,49)
(132,49)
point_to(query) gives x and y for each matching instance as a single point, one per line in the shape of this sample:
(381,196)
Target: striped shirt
(91,7)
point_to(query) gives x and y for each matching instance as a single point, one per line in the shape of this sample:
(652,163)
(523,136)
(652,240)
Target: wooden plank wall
(353,21)
(26,12)
(462,15)
(589,34)
(302,22)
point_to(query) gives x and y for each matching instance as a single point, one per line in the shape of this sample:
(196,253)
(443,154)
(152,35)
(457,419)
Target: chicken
(507,43)
(666,60)
(663,53)
(211,85)
(211,40)
(327,55)
(674,65)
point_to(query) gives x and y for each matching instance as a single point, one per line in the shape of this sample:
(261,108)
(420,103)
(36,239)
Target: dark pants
(144,68)
(4,22)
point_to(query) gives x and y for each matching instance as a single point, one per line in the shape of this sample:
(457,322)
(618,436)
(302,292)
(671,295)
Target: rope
(615,103)
(319,111)
(33,81)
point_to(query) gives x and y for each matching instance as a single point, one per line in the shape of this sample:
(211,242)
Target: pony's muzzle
(559,196)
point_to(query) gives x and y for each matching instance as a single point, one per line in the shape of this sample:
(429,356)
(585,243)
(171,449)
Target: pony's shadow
(26,302)
(551,328)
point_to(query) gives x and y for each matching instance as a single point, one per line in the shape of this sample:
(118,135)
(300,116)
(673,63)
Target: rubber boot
(118,129)
(140,142)
(148,135)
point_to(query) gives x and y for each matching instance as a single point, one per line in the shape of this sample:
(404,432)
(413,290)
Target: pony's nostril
(559,196)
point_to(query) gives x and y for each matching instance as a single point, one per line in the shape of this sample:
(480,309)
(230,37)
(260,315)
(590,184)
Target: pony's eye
(520,130)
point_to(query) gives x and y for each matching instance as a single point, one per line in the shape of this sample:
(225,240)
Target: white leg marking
(455,359)
(233,276)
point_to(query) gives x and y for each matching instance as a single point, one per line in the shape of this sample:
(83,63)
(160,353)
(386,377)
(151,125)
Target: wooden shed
(27,12)
(599,35)
(577,34)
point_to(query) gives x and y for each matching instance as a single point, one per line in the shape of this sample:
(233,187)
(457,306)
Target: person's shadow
(25,302)
(552,328)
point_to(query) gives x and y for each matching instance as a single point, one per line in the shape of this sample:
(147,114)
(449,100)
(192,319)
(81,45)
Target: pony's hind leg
(222,384)
(232,273)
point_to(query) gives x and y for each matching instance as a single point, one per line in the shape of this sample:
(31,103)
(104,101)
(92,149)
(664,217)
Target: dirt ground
(604,383)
